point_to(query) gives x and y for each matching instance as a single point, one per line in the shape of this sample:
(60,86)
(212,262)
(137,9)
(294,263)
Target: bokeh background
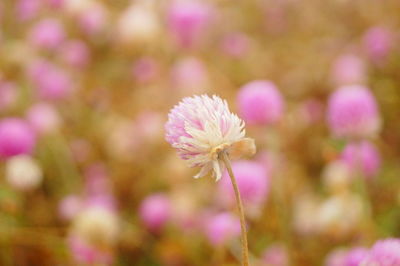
(87,178)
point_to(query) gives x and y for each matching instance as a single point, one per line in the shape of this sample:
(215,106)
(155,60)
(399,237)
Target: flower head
(384,253)
(201,127)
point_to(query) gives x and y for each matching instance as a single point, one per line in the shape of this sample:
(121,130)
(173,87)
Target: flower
(353,112)
(378,41)
(355,256)
(362,157)
(384,253)
(16,137)
(47,34)
(348,69)
(252,180)
(155,211)
(275,255)
(260,103)
(201,127)
(222,227)
(23,172)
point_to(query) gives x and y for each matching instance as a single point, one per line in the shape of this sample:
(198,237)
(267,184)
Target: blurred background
(87,178)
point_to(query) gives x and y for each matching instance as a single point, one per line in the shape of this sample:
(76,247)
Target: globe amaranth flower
(384,253)
(353,112)
(201,127)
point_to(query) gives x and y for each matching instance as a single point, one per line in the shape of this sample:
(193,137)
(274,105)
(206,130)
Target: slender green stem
(245,249)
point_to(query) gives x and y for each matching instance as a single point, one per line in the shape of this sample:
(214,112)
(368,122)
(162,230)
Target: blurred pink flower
(348,69)
(384,253)
(355,256)
(201,127)
(221,228)
(353,112)
(16,137)
(378,41)
(69,207)
(145,69)
(190,75)
(336,257)
(252,180)
(43,118)
(260,103)
(83,252)
(75,53)
(188,21)
(92,20)
(235,44)
(275,255)
(47,34)
(362,157)
(51,82)
(28,9)
(8,94)
(155,211)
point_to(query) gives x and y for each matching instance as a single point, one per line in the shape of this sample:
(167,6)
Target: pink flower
(201,127)
(145,69)
(384,253)
(84,252)
(355,256)
(93,19)
(16,137)
(43,118)
(348,69)
(362,157)
(260,103)
(47,34)
(155,211)
(75,53)
(353,112)
(221,228)
(51,82)
(275,255)
(8,94)
(252,180)
(188,21)
(28,9)
(336,258)
(378,41)
(235,44)
(69,207)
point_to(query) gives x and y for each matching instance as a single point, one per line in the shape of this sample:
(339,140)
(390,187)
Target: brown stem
(245,249)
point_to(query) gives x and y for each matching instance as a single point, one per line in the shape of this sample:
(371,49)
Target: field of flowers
(108,109)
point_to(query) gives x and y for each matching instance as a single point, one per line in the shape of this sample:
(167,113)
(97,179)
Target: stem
(245,249)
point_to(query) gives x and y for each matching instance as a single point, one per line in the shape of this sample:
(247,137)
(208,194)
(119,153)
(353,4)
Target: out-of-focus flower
(336,257)
(16,137)
(339,215)
(362,158)
(378,42)
(93,19)
(235,44)
(8,95)
(149,126)
(84,252)
(189,21)
(355,256)
(23,172)
(348,69)
(260,103)
(221,228)
(69,207)
(138,24)
(75,53)
(145,69)
(353,112)
(275,255)
(306,206)
(28,9)
(201,127)
(47,34)
(51,82)
(43,118)
(253,182)
(384,253)
(97,226)
(155,211)
(336,176)
(189,75)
